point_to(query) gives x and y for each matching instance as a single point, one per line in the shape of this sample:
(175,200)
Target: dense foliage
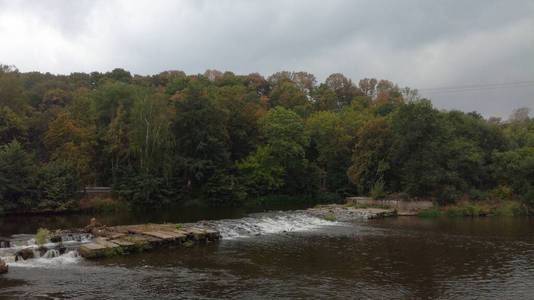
(226,138)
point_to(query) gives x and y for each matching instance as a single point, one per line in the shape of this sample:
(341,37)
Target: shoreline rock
(4,268)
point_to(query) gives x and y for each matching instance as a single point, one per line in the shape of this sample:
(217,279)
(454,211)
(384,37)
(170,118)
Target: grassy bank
(476,209)
(103,204)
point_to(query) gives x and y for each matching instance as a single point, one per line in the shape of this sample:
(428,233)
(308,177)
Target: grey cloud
(413,42)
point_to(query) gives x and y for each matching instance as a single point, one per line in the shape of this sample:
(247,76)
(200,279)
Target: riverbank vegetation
(227,138)
(477,209)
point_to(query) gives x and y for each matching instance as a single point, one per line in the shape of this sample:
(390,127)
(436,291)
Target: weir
(119,240)
(98,241)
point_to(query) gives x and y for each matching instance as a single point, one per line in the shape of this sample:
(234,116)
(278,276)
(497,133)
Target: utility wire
(477,87)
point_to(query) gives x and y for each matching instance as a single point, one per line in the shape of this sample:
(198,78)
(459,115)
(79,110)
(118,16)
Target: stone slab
(124,239)
(106,243)
(167,236)
(123,243)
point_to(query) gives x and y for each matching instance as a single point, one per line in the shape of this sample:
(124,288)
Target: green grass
(467,209)
(103,204)
(331,218)
(475,209)
(433,212)
(509,209)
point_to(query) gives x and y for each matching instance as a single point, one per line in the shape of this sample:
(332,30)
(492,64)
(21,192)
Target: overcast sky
(421,44)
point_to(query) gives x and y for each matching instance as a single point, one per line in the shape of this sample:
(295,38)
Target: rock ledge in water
(125,239)
(3,267)
(25,254)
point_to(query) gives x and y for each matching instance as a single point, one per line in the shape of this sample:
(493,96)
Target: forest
(226,138)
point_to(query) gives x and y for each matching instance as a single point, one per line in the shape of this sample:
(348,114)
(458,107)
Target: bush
(328,198)
(509,209)
(448,194)
(528,200)
(377,191)
(475,194)
(224,190)
(41,237)
(144,189)
(467,209)
(433,212)
(502,192)
(103,204)
(330,217)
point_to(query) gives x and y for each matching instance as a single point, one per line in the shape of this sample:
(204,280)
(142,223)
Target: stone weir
(97,240)
(125,239)
(120,240)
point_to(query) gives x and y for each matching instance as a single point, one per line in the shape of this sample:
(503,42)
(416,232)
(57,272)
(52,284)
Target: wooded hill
(226,138)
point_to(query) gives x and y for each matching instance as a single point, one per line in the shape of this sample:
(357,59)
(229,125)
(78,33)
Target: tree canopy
(226,138)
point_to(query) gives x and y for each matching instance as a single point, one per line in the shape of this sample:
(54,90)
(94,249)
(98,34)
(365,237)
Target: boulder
(96,228)
(24,254)
(56,239)
(3,267)
(62,249)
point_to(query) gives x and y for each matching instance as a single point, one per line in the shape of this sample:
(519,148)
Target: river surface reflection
(404,257)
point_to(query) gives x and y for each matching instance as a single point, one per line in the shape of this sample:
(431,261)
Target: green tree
(371,156)
(343,87)
(261,172)
(417,152)
(58,184)
(332,141)
(64,136)
(288,95)
(200,134)
(17,177)
(285,142)
(515,168)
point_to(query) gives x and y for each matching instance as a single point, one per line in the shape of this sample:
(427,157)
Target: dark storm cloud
(417,43)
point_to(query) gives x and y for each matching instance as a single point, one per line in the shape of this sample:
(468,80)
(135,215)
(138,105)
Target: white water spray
(270,223)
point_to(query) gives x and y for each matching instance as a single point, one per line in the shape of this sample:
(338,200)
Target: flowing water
(279,255)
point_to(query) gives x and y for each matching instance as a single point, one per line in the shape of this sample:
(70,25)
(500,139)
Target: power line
(477,87)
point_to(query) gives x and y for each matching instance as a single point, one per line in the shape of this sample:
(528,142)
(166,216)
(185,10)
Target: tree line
(226,138)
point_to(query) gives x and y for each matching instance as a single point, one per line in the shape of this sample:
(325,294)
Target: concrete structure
(403,207)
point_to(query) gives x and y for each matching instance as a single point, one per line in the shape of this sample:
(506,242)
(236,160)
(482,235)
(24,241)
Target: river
(283,255)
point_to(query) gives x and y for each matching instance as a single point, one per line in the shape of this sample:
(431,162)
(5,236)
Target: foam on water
(49,260)
(253,225)
(271,223)
(51,257)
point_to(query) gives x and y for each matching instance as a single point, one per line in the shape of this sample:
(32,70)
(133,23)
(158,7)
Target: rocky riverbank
(344,213)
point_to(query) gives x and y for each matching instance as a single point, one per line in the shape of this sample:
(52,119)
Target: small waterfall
(51,254)
(78,237)
(5,243)
(60,252)
(269,223)
(36,253)
(51,259)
